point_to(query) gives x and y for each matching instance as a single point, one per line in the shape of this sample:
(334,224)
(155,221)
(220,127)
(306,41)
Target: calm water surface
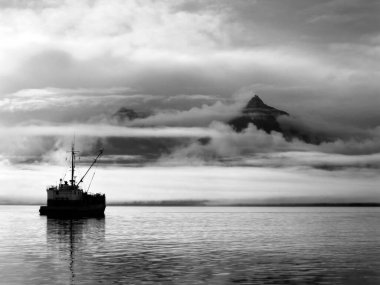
(191,245)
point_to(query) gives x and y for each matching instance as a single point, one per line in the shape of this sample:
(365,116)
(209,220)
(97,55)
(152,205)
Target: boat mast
(72,165)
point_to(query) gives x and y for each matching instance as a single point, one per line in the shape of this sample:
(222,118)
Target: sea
(192,245)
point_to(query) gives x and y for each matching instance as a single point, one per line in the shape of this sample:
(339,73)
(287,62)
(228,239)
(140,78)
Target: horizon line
(200,204)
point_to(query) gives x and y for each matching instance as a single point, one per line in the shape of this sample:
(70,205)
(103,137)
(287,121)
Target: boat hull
(73,211)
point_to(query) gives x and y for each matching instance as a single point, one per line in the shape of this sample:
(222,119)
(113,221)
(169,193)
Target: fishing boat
(68,199)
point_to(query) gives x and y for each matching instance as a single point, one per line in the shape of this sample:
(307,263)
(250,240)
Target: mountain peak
(256,105)
(127,114)
(255,102)
(260,114)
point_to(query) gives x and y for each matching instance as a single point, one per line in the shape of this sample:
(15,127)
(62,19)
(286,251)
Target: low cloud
(197,135)
(196,116)
(36,143)
(318,129)
(106,131)
(254,147)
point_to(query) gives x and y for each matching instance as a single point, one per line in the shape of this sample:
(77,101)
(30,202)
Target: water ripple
(192,246)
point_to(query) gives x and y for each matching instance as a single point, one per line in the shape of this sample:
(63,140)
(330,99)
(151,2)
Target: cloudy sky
(187,68)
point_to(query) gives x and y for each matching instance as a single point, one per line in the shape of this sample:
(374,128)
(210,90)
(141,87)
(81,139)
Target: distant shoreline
(246,205)
(208,204)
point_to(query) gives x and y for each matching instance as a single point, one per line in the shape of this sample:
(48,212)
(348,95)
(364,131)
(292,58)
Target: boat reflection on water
(75,242)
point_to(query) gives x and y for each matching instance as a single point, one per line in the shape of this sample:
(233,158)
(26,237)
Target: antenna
(73,153)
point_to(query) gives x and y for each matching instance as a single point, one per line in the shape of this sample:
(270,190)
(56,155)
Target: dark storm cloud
(294,21)
(341,34)
(346,21)
(28,4)
(58,68)
(341,100)
(316,58)
(70,64)
(100,105)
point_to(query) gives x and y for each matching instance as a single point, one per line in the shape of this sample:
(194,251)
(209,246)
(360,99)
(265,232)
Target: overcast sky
(294,52)
(190,66)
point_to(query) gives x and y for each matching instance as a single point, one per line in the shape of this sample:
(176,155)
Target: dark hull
(73,211)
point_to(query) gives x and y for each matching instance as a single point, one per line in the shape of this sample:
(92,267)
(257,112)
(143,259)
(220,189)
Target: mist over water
(192,245)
